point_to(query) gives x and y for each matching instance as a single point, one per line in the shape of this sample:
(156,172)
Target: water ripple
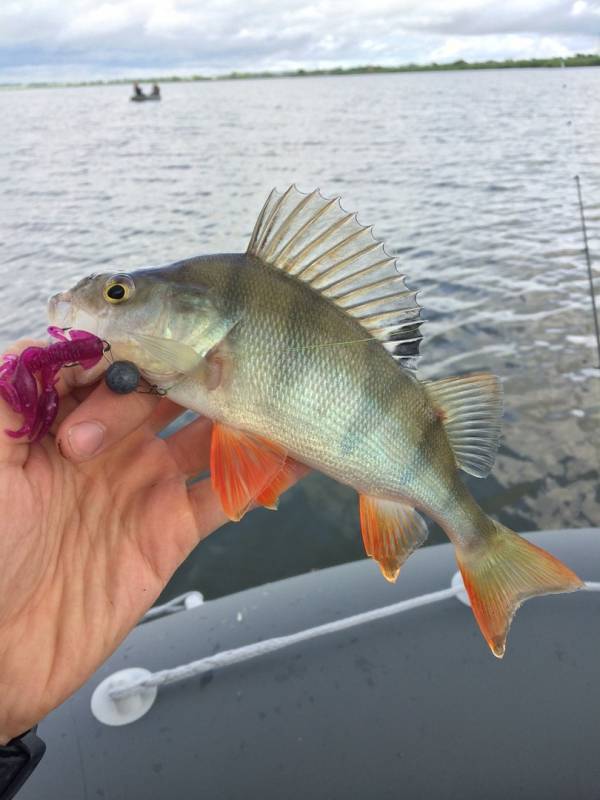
(468,178)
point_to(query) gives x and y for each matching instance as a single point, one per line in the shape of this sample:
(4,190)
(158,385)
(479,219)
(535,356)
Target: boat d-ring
(123,710)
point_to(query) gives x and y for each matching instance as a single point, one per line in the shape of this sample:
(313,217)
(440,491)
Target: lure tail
(501,573)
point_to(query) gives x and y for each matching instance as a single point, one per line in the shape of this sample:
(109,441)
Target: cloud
(562,17)
(500,47)
(55,39)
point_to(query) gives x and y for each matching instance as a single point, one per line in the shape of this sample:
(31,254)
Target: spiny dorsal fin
(471,409)
(317,241)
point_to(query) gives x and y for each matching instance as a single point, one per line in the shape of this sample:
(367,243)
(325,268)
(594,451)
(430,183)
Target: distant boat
(140,98)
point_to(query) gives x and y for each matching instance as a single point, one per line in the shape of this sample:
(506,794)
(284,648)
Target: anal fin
(242,467)
(391,531)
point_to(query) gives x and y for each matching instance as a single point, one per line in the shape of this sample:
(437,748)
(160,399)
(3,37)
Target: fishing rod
(588,260)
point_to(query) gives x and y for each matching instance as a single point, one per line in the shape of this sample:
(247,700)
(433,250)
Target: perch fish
(303,348)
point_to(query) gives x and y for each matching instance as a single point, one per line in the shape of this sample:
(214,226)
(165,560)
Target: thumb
(102,420)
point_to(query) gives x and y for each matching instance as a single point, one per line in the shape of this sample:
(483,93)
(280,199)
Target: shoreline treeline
(579,60)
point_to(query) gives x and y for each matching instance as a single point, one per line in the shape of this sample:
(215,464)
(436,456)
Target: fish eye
(118,289)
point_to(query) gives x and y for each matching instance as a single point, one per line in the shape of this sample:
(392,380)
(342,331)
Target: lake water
(467,176)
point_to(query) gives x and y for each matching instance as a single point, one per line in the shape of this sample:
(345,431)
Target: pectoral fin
(391,531)
(179,357)
(243,466)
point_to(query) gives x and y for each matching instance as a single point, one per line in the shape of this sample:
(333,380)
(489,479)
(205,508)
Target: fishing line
(333,344)
(107,353)
(572,118)
(372,339)
(588,260)
(123,377)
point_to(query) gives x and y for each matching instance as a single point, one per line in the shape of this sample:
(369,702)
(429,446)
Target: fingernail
(86,438)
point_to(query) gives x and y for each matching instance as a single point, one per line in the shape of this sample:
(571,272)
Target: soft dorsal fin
(317,241)
(471,410)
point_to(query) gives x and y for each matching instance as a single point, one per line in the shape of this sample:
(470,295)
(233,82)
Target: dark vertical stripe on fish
(300,356)
(358,428)
(233,283)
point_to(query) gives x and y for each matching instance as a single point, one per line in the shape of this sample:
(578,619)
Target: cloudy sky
(82,39)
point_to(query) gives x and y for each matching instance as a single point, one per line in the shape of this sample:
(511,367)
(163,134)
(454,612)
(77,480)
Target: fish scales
(333,407)
(301,349)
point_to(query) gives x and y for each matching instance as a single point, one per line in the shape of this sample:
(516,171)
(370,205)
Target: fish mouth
(63,312)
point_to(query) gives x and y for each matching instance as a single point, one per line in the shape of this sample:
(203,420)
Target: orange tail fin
(504,572)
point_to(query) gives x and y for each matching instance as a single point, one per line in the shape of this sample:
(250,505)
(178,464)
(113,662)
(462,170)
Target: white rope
(228,657)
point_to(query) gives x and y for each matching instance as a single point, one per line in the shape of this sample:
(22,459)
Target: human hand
(95,519)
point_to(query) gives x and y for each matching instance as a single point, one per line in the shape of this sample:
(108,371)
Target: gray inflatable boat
(402,703)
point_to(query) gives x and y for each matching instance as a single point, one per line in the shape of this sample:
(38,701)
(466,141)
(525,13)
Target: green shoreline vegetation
(579,60)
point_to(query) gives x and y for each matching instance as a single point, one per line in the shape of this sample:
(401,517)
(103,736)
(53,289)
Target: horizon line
(577,60)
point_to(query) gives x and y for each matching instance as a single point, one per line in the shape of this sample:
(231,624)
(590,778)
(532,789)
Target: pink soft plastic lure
(28,381)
